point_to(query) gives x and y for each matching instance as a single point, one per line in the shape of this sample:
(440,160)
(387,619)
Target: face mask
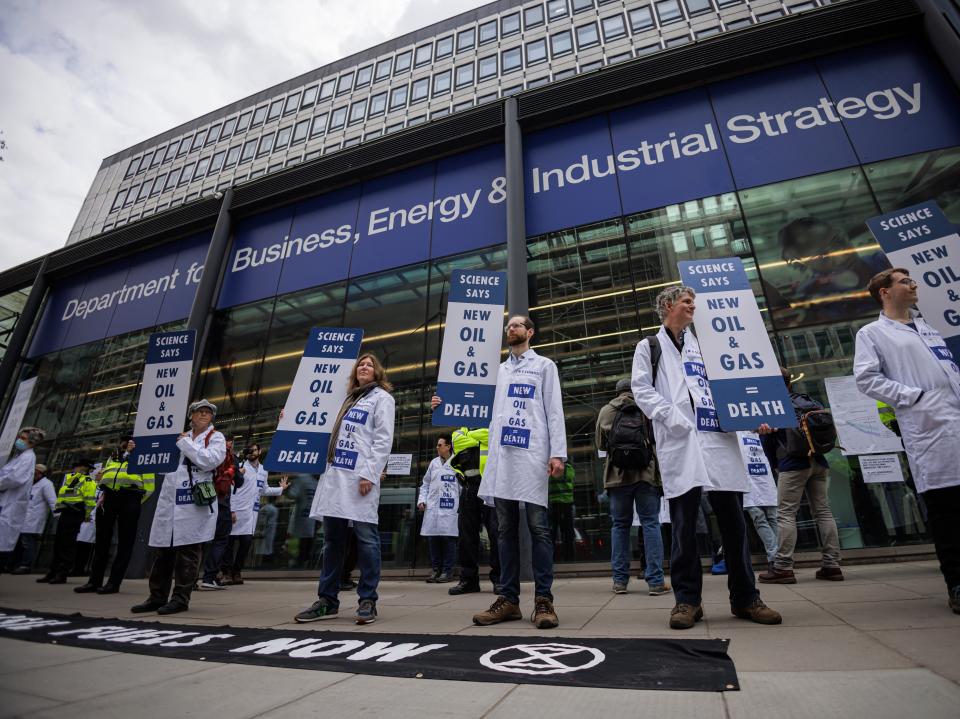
(20,444)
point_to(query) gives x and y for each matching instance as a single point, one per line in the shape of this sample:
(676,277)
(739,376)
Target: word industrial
(130,293)
(880,105)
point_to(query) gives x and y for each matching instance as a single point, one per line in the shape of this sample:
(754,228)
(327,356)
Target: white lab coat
(177,520)
(688,457)
(245,501)
(16,478)
(363,445)
(518,472)
(763,491)
(88,530)
(440,491)
(42,501)
(894,364)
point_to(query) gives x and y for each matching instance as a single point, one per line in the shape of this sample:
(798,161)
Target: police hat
(200,405)
(84,462)
(623,386)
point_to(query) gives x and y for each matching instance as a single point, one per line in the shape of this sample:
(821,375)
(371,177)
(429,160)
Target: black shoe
(87,588)
(151,605)
(108,588)
(46,578)
(464,588)
(59,579)
(444,578)
(172,607)
(432,579)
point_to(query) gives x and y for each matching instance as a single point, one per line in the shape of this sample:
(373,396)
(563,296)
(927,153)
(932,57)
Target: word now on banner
(303,434)
(470,357)
(162,408)
(922,240)
(744,375)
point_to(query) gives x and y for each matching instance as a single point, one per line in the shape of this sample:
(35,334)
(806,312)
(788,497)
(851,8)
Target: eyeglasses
(908,281)
(514,326)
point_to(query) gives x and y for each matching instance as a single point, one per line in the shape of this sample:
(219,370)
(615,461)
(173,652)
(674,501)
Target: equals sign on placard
(752,390)
(468,395)
(154,445)
(301,442)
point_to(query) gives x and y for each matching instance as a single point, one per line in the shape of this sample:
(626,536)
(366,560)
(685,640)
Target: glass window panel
(243,122)
(157,157)
(538,82)
(198,140)
(557,9)
(582,5)
(444,47)
(382,70)
(172,179)
(533,16)
(158,185)
(378,103)
(319,125)
(564,74)
(266,145)
(488,32)
(587,36)
(442,112)
(641,18)
(466,39)
(144,190)
(293,103)
(276,107)
(363,76)
(351,142)
(327,88)
(283,137)
(511,60)
(338,118)
(510,24)
(677,41)
(145,162)
(216,162)
(466,104)
(118,200)
(561,43)
(228,127)
(184,145)
(170,153)
(259,115)
(357,111)
(131,196)
(132,167)
(669,11)
(300,131)
(373,134)
(420,89)
(464,75)
(906,181)
(487,67)
(345,83)
(441,83)
(402,62)
(695,7)
(613,27)
(398,97)
(309,96)
(249,150)
(233,154)
(201,170)
(741,22)
(707,32)
(423,55)
(536,51)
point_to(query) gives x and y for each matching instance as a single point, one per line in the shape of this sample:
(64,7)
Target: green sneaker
(320,609)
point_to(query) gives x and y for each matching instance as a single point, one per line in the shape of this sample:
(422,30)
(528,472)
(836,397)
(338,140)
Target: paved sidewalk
(881,644)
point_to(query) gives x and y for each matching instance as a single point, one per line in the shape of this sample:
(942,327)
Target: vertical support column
(213,268)
(941,20)
(21,333)
(517,295)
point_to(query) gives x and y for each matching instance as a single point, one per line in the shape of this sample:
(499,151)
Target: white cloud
(82,80)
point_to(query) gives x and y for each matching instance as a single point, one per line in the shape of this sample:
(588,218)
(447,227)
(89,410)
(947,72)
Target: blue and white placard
(303,434)
(745,381)
(922,240)
(470,357)
(162,409)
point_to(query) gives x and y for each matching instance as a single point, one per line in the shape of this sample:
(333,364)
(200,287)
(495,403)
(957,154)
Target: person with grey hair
(670,385)
(186,514)
(42,501)
(16,479)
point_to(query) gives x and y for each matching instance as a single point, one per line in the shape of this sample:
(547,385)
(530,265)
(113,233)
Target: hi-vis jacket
(691,448)
(177,520)
(78,491)
(245,500)
(440,491)
(43,500)
(16,478)
(361,451)
(88,530)
(526,431)
(894,364)
(115,476)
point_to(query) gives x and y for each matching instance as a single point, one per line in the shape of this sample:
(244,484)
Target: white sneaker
(207,586)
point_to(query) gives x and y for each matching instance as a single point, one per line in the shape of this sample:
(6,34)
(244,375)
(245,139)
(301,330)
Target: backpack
(629,444)
(655,354)
(223,476)
(816,434)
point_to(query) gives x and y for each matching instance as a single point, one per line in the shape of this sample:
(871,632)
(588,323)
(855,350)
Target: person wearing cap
(180,525)
(16,478)
(76,501)
(121,496)
(630,488)
(42,502)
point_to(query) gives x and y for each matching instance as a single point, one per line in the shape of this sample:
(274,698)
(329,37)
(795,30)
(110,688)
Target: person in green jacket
(75,503)
(560,496)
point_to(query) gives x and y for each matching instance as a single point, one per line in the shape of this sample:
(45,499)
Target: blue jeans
(765,522)
(335,549)
(443,553)
(646,499)
(538,520)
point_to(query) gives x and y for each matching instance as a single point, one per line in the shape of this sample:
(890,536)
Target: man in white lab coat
(902,361)
(43,500)
(439,499)
(528,444)
(180,524)
(671,386)
(16,479)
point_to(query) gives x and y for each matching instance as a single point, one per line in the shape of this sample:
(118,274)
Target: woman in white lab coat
(695,455)
(16,478)
(439,500)
(180,526)
(349,489)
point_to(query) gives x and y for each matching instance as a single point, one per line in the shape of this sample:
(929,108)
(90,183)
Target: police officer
(75,502)
(121,496)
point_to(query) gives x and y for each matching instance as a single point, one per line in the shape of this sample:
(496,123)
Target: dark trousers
(217,547)
(685,570)
(561,522)
(350,556)
(177,566)
(238,547)
(30,546)
(943,513)
(474,515)
(443,553)
(121,507)
(538,521)
(65,541)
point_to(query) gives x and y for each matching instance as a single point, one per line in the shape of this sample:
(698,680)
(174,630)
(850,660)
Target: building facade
(773,143)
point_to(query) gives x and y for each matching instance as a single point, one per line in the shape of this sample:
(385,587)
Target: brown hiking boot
(544,616)
(684,616)
(777,576)
(830,574)
(500,611)
(757,612)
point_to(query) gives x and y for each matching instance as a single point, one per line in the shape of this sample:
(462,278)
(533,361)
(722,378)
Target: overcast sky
(82,80)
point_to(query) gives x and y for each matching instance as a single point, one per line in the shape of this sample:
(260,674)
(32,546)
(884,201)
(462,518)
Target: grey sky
(82,80)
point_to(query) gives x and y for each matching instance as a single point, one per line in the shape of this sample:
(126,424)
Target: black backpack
(630,442)
(816,433)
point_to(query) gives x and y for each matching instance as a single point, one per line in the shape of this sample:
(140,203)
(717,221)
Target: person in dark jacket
(225,477)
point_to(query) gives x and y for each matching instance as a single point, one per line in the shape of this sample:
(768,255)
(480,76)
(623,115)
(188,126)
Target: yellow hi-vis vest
(79,491)
(466,438)
(115,476)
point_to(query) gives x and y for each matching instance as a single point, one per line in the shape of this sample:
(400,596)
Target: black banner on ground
(675,664)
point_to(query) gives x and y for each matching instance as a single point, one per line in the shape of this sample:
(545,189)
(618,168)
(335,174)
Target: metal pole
(18,340)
